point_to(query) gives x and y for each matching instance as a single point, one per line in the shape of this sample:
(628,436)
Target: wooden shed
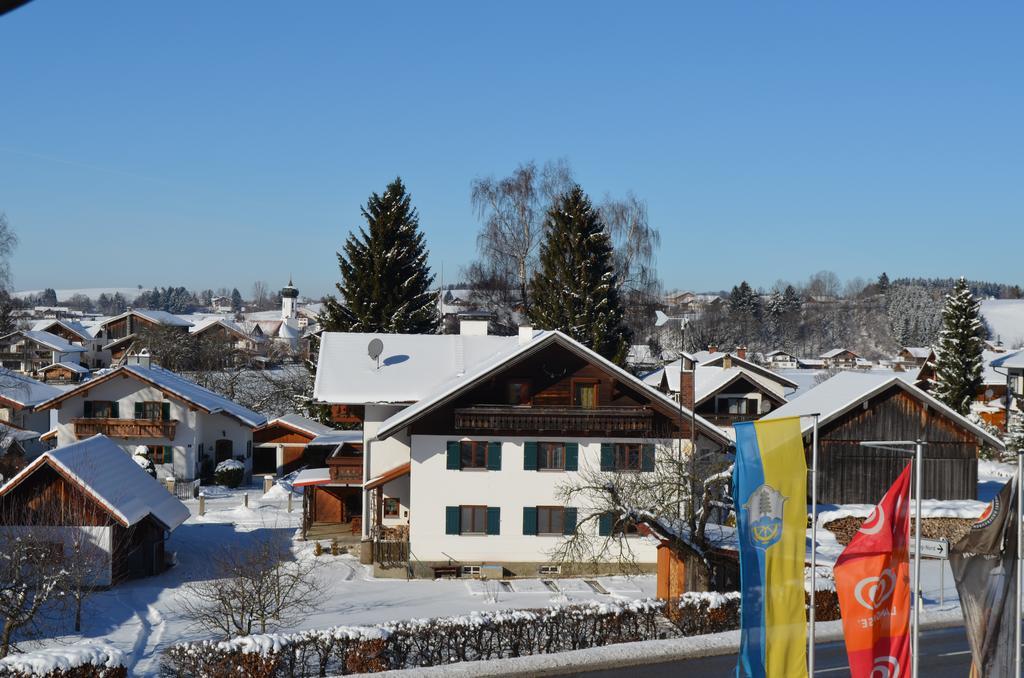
(865,406)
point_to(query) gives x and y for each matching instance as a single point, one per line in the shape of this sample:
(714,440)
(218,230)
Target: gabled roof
(717,359)
(412,366)
(918,351)
(1013,360)
(779,351)
(338,437)
(49,340)
(72,326)
(74,367)
(213,321)
(709,381)
(25,391)
(108,474)
(159,317)
(836,352)
(173,385)
(460,383)
(846,390)
(301,424)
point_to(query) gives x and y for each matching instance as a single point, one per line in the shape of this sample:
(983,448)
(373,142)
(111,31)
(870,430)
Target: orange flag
(873,583)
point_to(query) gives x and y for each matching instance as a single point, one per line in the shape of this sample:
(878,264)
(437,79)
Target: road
(944,653)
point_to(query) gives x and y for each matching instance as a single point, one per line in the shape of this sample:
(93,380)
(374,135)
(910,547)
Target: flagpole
(814,543)
(1020,574)
(917,556)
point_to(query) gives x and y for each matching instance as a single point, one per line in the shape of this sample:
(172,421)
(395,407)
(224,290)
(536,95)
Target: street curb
(631,655)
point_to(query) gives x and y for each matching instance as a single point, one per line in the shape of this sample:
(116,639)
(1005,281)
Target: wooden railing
(626,420)
(125,428)
(730,419)
(346,470)
(391,553)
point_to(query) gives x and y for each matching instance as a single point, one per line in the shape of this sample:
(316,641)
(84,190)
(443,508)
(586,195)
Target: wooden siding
(849,473)
(279,434)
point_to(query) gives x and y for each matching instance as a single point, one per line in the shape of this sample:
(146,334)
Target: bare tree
(260,295)
(257,589)
(30,577)
(8,242)
(513,209)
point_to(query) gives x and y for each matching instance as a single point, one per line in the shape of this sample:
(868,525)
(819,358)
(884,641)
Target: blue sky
(218,143)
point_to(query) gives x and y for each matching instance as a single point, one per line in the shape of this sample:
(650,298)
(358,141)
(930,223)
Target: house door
(222,450)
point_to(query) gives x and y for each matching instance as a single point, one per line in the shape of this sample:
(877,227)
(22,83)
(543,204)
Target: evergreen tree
(883,283)
(7,322)
(1015,432)
(236,300)
(386,285)
(791,300)
(576,288)
(958,371)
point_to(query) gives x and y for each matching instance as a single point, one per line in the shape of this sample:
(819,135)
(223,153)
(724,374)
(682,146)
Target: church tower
(289,297)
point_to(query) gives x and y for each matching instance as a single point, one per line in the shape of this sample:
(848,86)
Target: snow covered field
(141,617)
(1006,318)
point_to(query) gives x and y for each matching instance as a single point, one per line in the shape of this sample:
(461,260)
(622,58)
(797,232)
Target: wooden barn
(291,442)
(91,498)
(862,406)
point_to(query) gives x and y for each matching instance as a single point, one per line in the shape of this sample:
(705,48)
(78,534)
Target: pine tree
(7,322)
(576,288)
(236,300)
(386,285)
(1015,432)
(958,371)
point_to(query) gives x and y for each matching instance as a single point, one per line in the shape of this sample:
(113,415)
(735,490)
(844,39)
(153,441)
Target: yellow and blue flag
(770,491)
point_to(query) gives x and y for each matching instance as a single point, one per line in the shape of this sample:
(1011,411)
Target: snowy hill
(93,293)
(1006,318)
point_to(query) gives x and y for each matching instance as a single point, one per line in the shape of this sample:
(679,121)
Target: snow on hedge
(713,599)
(930,508)
(42,662)
(229,465)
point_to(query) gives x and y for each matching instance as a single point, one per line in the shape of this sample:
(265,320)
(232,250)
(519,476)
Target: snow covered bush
(229,473)
(141,457)
(87,660)
(419,642)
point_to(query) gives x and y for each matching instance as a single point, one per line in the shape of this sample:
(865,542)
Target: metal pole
(917,556)
(942,581)
(814,544)
(1020,578)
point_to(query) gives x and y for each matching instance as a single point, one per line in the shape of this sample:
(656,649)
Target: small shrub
(229,473)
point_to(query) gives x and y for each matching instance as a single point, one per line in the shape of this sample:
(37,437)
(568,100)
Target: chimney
(473,327)
(525,334)
(727,361)
(686,388)
(741,352)
(712,348)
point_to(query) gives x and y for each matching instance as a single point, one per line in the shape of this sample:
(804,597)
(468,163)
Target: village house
(467,440)
(28,351)
(119,333)
(20,398)
(75,332)
(840,359)
(864,406)
(912,357)
(286,443)
(245,348)
(187,429)
(94,504)
(782,360)
(1010,366)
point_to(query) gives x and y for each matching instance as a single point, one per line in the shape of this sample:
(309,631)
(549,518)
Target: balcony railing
(346,470)
(638,421)
(730,419)
(126,428)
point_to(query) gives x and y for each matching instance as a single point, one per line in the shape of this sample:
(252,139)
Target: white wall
(433,487)
(380,456)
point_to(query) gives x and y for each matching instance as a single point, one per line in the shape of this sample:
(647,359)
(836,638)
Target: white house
(468,439)
(184,425)
(782,360)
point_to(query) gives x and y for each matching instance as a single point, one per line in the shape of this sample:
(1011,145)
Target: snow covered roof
(835,352)
(1013,360)
(918,351)
(74,367)
(778,351)
(312,476)
(71,325)
(540,339)
(159,317)
(212,321)
(25,391)
(304,424)
(717,359)
(842,392)
(50,341)
(412,366)
(177,386)
(112,477)
(335,437)
(711,380)
(811,362)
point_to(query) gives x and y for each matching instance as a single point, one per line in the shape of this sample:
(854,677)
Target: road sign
(934,548)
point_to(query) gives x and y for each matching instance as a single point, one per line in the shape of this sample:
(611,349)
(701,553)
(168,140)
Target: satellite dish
(375,348)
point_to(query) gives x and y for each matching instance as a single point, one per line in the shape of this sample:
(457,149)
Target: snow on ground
(141,617)
(1006,318)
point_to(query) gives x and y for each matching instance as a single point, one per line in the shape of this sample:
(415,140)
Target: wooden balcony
(346,469)
(125,428)
(628,421)
(724,419)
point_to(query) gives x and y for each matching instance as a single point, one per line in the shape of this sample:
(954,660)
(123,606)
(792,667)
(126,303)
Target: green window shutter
(604,524)
(493,520)
(647,458)
(138,410)
(493,456)
(115,410)
(607,457)
(168,455)
(453,456)
(530,455)
(570,520)
(165,410)
(572,456)
(529,520)
(87,412)
(451,520)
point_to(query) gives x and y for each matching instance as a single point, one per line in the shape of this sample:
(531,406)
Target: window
(549,570)
(519,392)
(390,507)
(473,454)
(610,524)
(149,410)
(550,520)
(584,393)
(101,409)
(627,456)
(161,454)
(473,520)
(551,456)
(470,570)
